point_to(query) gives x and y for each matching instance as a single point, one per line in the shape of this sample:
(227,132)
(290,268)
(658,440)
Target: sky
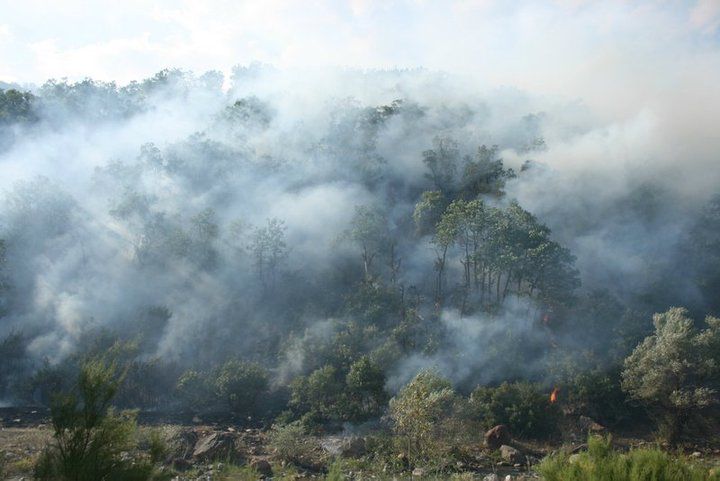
(559,47)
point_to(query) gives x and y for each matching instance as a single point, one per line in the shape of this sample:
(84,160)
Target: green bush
(602,463)
(292,443)
(319,397)
(365,391)
(157,446)
(194,390)
(89,436)
(424,419)
(675,372)
(335,472)
(241,385)
(522,406)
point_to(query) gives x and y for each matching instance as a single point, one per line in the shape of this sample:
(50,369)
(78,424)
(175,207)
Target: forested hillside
(256,247)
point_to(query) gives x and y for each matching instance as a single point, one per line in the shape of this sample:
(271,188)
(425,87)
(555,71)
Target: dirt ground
(25,432)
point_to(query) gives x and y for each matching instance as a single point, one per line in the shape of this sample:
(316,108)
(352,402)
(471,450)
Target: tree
(428,211)
(16,106)
(675,371)
(485,173)
(203,234)
(269,249)
(369,231)
(442,161)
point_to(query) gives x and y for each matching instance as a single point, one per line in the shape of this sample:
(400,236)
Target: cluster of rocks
(200,449)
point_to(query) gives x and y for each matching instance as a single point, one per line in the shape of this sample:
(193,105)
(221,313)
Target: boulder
(510,454)
(497,436)
(262,467)
(418,472)
(491,477)
(215,446)
(182,444)
(353,447)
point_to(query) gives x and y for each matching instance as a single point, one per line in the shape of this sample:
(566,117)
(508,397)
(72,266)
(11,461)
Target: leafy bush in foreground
(89,436)
(602,463)
(425,417)
(675,372)
(291,443)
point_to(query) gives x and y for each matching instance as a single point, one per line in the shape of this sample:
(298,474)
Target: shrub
(522,406)
(89,436)
(335,472)
(597,393)
(157,446)
(291,443)
(194,390)
(319,396)
(240,385)
(675,371)
(422,413)
(602,463)
(365,390)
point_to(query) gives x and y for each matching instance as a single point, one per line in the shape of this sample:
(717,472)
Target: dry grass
(20,448)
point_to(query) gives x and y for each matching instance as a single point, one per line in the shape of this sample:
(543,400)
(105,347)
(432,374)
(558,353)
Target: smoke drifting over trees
(400,217)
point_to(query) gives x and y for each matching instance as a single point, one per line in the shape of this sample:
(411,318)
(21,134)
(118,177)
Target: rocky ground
(215,451)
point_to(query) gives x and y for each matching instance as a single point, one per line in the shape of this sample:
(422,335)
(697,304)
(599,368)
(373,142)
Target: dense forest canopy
(345,237)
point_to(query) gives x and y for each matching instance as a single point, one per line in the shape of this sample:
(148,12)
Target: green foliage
(675,371)
(443,161)
(16,106)
(602,463)
(335,472)
(522,406)
(292,443)
(597,393)
(502,251)
(320,396)
(365,390)
(328,396)
(89,436)
(194,389)
(241,386)
(369,232)
(157,446)
(428,210)
(422,414)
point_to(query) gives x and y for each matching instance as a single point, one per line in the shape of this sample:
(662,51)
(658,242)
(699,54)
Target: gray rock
(419,472)
(215,446)
(491,477)
(510,454)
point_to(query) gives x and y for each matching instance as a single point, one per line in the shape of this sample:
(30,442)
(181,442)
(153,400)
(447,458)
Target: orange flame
(554,395)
